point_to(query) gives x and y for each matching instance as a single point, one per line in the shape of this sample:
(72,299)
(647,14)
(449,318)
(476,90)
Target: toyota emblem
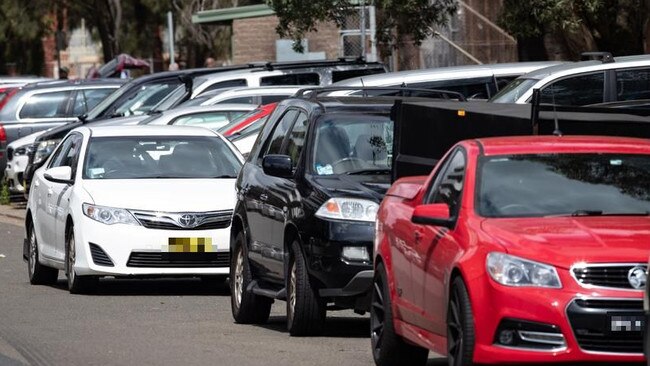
(188,220)
(637,277)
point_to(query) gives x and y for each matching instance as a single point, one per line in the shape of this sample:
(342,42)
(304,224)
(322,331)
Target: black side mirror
(277,166)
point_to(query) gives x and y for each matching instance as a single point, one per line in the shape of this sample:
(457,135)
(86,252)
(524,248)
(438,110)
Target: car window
(513,91)
(575,91)
(238,100)
(470,88)
(226,85)
(67,155)
(296,139)
(146,97)
(310,78)
(503,81)
(212,120)
(46,105)
(87,99)
(448,185)
(268,99)
(338,75)
(633,84)
(280,131)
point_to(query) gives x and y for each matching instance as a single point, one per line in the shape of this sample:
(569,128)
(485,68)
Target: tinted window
(297,138)
(563,184)
(268,99)
(87,99)
(226,85)
(633,84)
(238,100)
(44,105)
(513,91)
(470,88)
(448,185)
(578,90)
(149,157)
(349,74)
(275,143)
(291,79)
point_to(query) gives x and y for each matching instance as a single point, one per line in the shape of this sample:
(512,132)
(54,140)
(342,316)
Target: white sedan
(132,201)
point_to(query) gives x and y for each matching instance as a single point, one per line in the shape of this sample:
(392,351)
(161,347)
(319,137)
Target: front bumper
(14,175)
(584,317)
(129,250)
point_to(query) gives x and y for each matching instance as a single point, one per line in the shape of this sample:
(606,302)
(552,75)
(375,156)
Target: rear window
(311,78)
(228,84)
(575,91)
(46,105)
(633,84)
(338,75)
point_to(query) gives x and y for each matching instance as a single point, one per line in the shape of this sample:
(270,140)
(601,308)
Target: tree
(564,29)
(400,22)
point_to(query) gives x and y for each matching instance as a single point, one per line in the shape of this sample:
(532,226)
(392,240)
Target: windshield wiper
(224,176)
(369,171)
(587,213)
(603,213)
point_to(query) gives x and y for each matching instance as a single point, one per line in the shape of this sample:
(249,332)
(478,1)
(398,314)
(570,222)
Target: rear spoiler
(424,131)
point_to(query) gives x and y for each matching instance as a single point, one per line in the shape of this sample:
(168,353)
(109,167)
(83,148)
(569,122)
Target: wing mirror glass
(59,174)
(278,166)
(432,214)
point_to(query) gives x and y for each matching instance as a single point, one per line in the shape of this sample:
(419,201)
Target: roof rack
(270,66)
(313,92)
(604,57)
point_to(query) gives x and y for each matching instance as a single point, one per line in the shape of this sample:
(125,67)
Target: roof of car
(517,145)
(111,131)
(51,84)
(591,65)
(445,73)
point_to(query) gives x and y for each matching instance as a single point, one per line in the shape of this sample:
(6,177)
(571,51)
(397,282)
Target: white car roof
(252,92)
(116,131)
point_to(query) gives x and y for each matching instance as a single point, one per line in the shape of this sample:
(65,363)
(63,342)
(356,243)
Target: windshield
(239,119)
(353,144)
(145,99)
(171,99)
(99,109)
(513,91)
(159,157)
(563,184)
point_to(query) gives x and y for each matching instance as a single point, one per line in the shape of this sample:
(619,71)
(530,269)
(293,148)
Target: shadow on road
(346,327)
(155,287)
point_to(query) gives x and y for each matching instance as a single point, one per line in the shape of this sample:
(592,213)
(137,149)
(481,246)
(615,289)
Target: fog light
(356,254)
(506,337)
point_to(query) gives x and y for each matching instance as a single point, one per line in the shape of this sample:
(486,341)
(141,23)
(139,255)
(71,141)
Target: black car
(307,196)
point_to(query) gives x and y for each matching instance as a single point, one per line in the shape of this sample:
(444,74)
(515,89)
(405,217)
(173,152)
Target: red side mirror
(432,214)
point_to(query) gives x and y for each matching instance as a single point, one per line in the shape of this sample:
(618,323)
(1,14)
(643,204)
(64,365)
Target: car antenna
(557,131)
(363,86)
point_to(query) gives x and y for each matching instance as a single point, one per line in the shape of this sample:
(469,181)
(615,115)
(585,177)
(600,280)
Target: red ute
(516,249)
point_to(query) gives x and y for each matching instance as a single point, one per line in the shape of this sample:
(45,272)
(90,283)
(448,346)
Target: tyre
(76,284)
(247,308)
(38,273)
(460,326)
(388,347)
(305,310)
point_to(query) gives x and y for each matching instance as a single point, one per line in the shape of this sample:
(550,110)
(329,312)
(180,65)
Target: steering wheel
(349,161)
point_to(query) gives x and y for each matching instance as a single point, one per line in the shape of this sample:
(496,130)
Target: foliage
(4,194)
(397,19)
(22,24)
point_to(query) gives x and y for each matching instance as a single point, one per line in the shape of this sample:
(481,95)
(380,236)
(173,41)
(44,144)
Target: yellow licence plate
(189,245)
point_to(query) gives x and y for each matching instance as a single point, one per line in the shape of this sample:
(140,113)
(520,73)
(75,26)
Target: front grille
(178,260)
(172,221)
(100,257)
(614,276)
(10,153)
(591,320)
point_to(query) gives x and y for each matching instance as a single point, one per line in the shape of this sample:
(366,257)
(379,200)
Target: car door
(436,245)
(282,193)
(256,195)
(60,198)
(45,212)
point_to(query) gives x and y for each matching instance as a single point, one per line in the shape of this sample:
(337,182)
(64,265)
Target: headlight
(514,271)
(354,209)
(109,215)
(44,150)
(23,150)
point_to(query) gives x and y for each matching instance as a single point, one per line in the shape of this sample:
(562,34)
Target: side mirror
(59,174)
(432,214)
(277,166)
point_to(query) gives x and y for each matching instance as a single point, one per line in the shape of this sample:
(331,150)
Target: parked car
(473,81)
(212,117)
(513,250)
(102,205)
(252,95)
(17,160)
(303,224)
(607,80)
(289,73)
(241,123)
(40,106)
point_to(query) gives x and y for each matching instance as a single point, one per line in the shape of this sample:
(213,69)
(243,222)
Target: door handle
(36,184)
(50,192)
(264,197)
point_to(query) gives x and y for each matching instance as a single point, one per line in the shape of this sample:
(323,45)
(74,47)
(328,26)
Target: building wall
(254,39)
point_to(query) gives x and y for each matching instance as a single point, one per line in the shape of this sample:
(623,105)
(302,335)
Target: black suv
(307,196)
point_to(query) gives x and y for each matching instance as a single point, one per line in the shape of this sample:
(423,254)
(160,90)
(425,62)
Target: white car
(17,159)
(132,201)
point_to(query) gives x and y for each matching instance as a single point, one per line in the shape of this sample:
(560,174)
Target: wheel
(247,308)
(76,284)
(305,310)
(460,326)
(388,347)
(38,273)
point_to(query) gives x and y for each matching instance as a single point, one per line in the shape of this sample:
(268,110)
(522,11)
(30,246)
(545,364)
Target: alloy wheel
(32,252)
(455,330)
(377,317)
(71,259)
(292,291)
(239,277)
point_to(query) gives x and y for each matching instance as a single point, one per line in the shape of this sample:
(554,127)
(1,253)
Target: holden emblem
(637,277)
